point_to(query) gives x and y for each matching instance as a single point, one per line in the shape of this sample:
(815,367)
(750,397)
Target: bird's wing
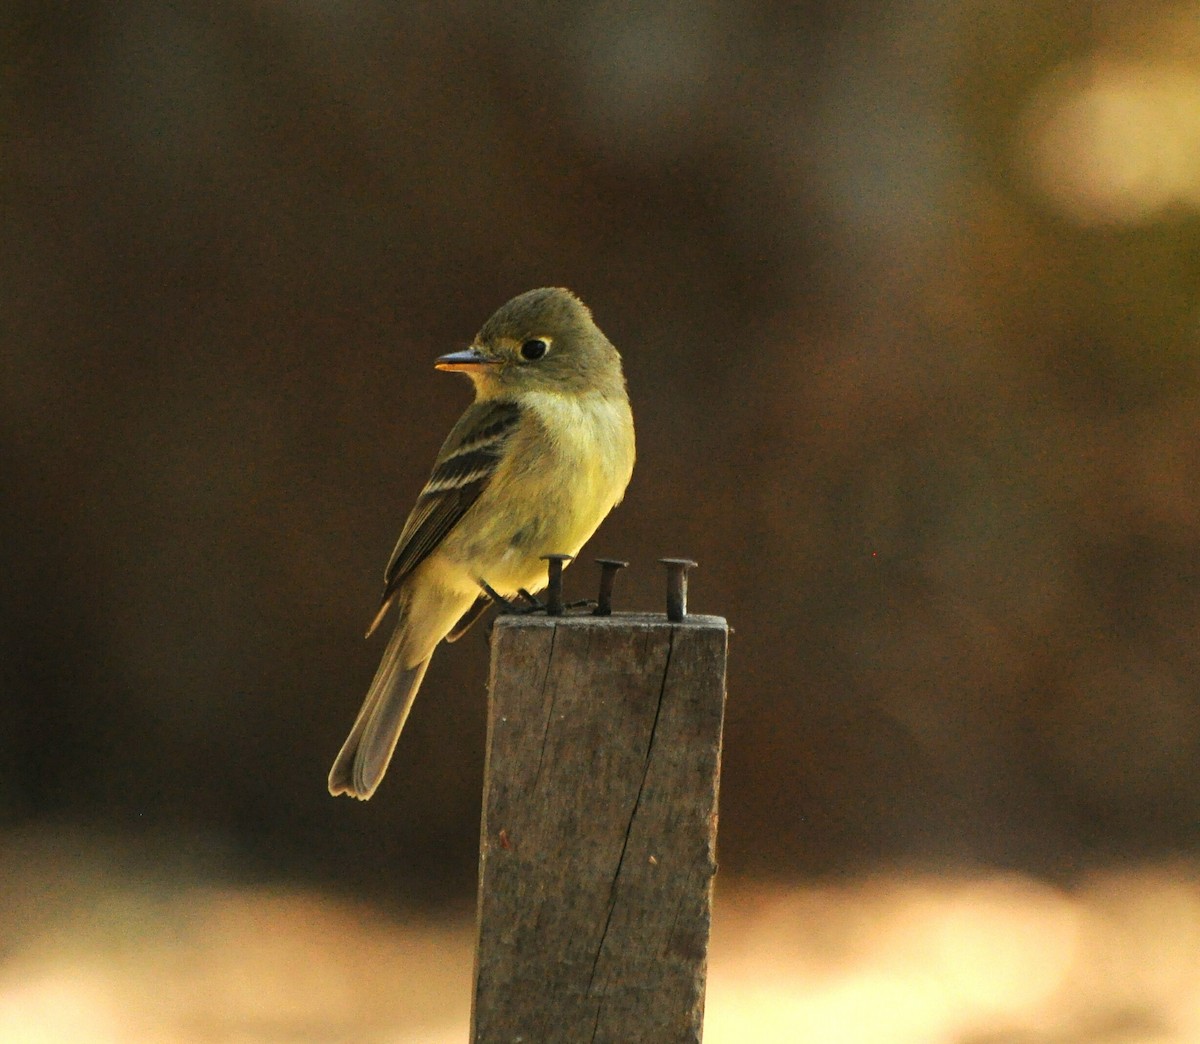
(464,466)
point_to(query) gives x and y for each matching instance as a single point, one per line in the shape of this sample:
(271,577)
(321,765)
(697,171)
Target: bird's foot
(537,605)
(498,600)
(507,605)
(532,603)
(529,603)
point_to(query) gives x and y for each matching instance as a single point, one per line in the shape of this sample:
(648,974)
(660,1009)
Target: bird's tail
(364,756)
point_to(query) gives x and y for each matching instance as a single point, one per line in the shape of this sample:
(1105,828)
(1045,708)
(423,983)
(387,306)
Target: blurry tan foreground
(93,953)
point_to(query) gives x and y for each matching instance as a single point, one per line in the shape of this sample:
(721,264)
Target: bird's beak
(468,360)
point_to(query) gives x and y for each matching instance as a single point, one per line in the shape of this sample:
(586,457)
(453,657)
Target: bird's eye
(533,349)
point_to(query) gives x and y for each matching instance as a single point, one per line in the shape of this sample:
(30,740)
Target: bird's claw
(498,600)
(507,605)
(532,603)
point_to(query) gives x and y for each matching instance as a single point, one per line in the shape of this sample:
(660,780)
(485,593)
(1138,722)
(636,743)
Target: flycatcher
(532,468)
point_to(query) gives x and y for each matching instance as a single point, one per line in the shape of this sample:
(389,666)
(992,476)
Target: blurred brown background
(908,299)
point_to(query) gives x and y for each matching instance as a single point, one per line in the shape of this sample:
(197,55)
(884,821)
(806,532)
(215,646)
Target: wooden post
(598,839)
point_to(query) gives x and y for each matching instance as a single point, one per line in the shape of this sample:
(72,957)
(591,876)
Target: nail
(554,567)
(608,576)
(677,570)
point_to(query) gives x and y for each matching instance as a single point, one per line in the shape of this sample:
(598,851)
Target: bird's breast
(565,469)
(587,455)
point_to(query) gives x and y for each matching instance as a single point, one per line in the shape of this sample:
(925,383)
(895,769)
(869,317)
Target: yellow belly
(548,497)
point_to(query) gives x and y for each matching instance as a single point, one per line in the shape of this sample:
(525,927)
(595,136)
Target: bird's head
(541,340)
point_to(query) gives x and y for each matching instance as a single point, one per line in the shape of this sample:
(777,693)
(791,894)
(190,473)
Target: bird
(534,465)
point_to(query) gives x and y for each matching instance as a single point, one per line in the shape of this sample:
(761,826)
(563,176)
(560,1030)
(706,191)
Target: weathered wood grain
(599,829)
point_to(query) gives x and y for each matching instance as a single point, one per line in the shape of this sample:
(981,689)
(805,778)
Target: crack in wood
(550,714)
(612,896)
